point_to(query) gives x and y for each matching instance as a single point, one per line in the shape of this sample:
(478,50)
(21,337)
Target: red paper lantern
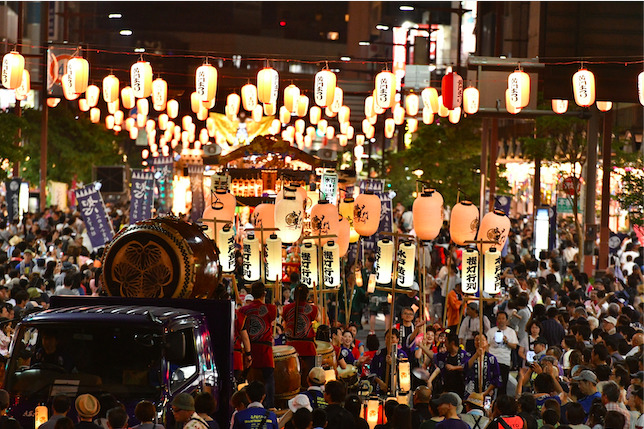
(495,226)
(366,213)
(221,207)
(264,217)
(452,90)
(464,222)
(427,213)
(325,220)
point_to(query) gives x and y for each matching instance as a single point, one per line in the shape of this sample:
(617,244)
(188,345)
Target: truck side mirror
(175,346)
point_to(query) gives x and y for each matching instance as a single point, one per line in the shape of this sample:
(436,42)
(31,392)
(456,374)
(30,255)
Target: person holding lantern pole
(491,370)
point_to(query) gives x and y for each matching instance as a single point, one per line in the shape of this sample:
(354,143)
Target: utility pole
(44,37)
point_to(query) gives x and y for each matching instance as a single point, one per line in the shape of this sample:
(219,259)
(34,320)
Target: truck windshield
(85,358)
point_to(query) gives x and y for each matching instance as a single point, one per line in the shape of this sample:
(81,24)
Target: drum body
(287,374)
(161,258)
(349,375)
(325,354)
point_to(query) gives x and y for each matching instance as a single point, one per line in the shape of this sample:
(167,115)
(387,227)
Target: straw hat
(87,406)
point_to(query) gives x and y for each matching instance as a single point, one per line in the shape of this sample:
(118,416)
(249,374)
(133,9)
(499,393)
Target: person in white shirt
(502,340)
(470,325)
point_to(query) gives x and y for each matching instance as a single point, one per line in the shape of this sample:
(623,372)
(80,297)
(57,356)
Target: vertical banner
(92,208)
(13,199)
(163,167)
(141,195)
(57,194)
(386,213)
(196,187)
(329,187)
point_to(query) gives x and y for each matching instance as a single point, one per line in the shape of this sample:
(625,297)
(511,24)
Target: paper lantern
(471,100)
(315,114)
(95,115)
(360,139)
(68,91)
(83,105)
(430,99)
(390,127)
(25,86)
(371,283)
(331,264)
(495,227)
(309,265)
(443,111)
(452,90)
(346,209)
(251,258)
(368,106)
(372,412)
(40,415)
(264,217)
(640,87)
(559,106)
(324,220)
(92,94)
(113,107)
(492,271)
(366,214)
(270,109)
(226,246)
(249,96)
(399,114)
(604,106)
(109,122)
(141,79)
(267,85)
(406,264)
(464,222)
(159,94)
(427,212)
(338,100)
(142,106)
(411,104)
(428,116)
(127,97)
(13,65)
(384,261)
(330,133)
(257,113)
(385,96)
(129,122)
(110,88)
(508,106)
(412,125)
(470,271)
(195,102)
(404,376)
(344,235)
(289,217)
(519,87)
(583,85)
(302,105)
(172,108)
(285,115)
(134,133)
(324,88)
(222,206)
(358,151)
(206,82)
(140,120)
(344,114)
(273,256)
(53,102)
(455,115)
(78,74)
(291,96)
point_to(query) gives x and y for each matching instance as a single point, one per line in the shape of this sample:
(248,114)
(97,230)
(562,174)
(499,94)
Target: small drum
(325,355)
(287,374)
(161,258)
(349,375)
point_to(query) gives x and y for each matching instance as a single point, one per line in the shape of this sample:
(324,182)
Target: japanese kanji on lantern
(492,271)
(331,264)
(324,90)
(273,256)
(309,264)
(464,222)
(470,271)
(406,264)
(384,261)
(251,258)
(226,246)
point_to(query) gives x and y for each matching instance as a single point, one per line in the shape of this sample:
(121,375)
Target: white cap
(249,297)
(299,401)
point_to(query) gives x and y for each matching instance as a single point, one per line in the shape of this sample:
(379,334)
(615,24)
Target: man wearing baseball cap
(315,392)
(447,405)
(183,409)
(587,381)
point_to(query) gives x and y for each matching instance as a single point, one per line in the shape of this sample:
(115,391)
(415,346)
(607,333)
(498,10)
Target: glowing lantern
(324,88)
(83,105)
(358,151)
(285,115)
(331,264)
(338,101)
(330,132)
(366,214)
(368,106)
(127,97)
(226,246)
(495,227)
(267,85)
(289,217)
(428,116)
(508,106)
(222,206)
(384,261)
(163,121)
(141,79)
(195,102)
(40,415)
(53,102)
(452,90)
(464,222)
(406,264)
(25,86)
(251,258)
(330,113)
(206,82)
(273,253)
(13,65)
(344,236)
(257,114)
(411,104)
(519,87)
(324,219)
(113,107)
(412,125)
(346,210)
(360,139)
(349,132)
(404,375)
(92,94)
(640,87)
(78,74)
(559,106)
(95,115)
(270,109)
(471,98)
(172,108)
(372,412)
(443,111)
(291,96)
(134,133)
(342,140)
(604,106)
(302,105)
(430,99)
(309,265)
(249,96)
(390,127)
(109,122)
(492,271)
(129,123)
(143,106)
(385,95)
(344,114)
(159,94)
(67,89)
(583,85)
(315,114)
(140,120)
(299,126)
(110,88)
(455,115)
(264,217)
(427,213)
(470,271)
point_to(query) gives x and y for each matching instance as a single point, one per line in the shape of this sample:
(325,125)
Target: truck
(132,348)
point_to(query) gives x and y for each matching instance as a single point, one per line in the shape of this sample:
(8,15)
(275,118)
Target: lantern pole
(321,269)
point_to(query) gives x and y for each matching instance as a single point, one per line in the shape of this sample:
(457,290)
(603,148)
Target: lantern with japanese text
(384,261)
(452,90)
(346,210)
(404,375)
(471,98)
(251,258)
(331,264)
(470,271)
(221,207)
(249,96)
(344,235)
(372,412)
(12,66)
(309,264)
(508,106)
(289,218)
(406,264)
(519,87)
(78,74)
(366,213)
(273,255)
(464,222)
(385,96)
(492,271)
(559,106)
(92,94)
(291,96)
(427,213)
(110,88)
(226,246)
(206,82)
(25,86)
(324,87)
(141,79)
(159,94)
(267,85)
(324,220)
(264,217)
(494,227)
(583,85)
(430,99)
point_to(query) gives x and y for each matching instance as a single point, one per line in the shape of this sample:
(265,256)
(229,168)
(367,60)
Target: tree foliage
(10,125)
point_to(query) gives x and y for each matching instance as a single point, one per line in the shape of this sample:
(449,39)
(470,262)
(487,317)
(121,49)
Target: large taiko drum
(287,374)
(325,354)
(161,258)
